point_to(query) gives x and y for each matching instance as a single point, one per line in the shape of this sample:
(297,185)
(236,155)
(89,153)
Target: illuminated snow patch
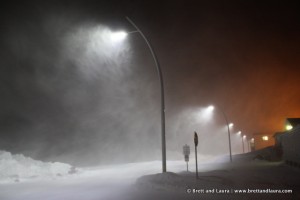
(19,168)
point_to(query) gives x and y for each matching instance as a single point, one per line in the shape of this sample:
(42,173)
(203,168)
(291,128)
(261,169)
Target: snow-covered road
(118,182)
(103,182)
(22,178)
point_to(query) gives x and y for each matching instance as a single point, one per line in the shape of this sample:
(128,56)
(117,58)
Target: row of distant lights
(211,108)
(264,138)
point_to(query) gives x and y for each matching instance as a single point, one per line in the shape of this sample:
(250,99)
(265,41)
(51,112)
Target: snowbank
(18,168)
(234,181)
(161,181)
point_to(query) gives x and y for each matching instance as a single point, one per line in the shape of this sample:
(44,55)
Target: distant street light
(252,145)
(240,133)
(122,35)
(249,147)
(243,143)
(229,125)
(288,127)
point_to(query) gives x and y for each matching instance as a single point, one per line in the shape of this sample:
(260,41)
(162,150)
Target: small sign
(196,139)
(186,153)
(186,158)
(186,150)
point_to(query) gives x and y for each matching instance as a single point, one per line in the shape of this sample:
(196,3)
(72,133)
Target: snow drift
(19,168)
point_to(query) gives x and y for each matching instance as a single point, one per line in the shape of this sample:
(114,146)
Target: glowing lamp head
(244,136)
(239,133)
(265,138)
(211,108)
(288,127)
(230,125)
(118,36)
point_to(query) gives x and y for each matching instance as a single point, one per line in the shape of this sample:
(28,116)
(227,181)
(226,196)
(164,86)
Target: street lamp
(118,36)
(210,108)
(121,35)
(240,133)
(229,125)
(249,147)
(244,136)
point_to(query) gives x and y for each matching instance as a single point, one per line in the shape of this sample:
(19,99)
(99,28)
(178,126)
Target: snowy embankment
(218,179)
(247,177)
(16,168)
(248,180)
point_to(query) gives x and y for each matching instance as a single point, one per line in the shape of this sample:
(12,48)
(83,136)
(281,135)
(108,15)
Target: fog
(100,104)
(71,93)
(85,99)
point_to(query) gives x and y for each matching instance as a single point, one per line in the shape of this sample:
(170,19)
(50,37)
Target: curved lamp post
(229,139)
(162,95)
(244,136)
(228,128)
(240,134)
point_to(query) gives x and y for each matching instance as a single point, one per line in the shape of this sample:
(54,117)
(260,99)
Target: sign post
(186,153)
(196,144)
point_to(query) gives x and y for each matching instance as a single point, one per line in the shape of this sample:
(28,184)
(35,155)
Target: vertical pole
(229,139)
(196,163)
(243,144)
(162,95)
(187,166)
(196,144)
(248,146)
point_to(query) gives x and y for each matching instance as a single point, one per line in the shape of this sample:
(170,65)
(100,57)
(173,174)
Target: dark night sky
(242,56)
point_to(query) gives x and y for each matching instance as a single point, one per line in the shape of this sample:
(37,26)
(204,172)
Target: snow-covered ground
(15,168)
(53,181)
(27,179)
(242,179)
